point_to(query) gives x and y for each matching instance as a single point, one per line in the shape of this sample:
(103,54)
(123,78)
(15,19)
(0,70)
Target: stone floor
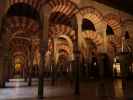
(17,89)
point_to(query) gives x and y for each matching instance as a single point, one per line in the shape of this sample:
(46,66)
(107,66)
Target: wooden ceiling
(124,5)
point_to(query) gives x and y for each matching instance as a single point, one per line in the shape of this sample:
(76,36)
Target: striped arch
(63,46)
(114,21)
(64,6)
(21,57)
(59,29)
(19,45)
(96,38)
(94,16)
(69,41)
(64,51)
(33,3)
(127,25)
(19,54)
(16,25)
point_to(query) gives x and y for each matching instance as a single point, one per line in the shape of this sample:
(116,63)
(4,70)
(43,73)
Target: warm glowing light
(116,68)
(17,67)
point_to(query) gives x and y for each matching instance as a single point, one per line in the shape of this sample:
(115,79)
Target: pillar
(124,65)
(41,72)
(77,57)
(4,60)
(43,48)
(1,67)
(30,63)
(29,66)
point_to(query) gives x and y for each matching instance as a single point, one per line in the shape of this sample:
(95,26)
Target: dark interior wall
(124,5)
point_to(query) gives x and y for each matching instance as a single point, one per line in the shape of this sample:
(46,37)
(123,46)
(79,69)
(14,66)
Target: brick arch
(21,60)
(65,6)
(93,15)
(114,41)
(22,43)
(65,47)
(20,57)
(96,38)
(33,3)
(91,10)
(68,39)
(19,54)
(114,21)
(17,46)
(16,25)
(64,51)
(57,30)
(20,47)
(127,25)
(92,35)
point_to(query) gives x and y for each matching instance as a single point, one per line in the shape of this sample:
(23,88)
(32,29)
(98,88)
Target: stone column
(2,82)
(6,57)
(25,71)
(9,64)
(41,72)
(5,66)
(124,65)
(101,66)
(43,48)
(77,57)
(30,64)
